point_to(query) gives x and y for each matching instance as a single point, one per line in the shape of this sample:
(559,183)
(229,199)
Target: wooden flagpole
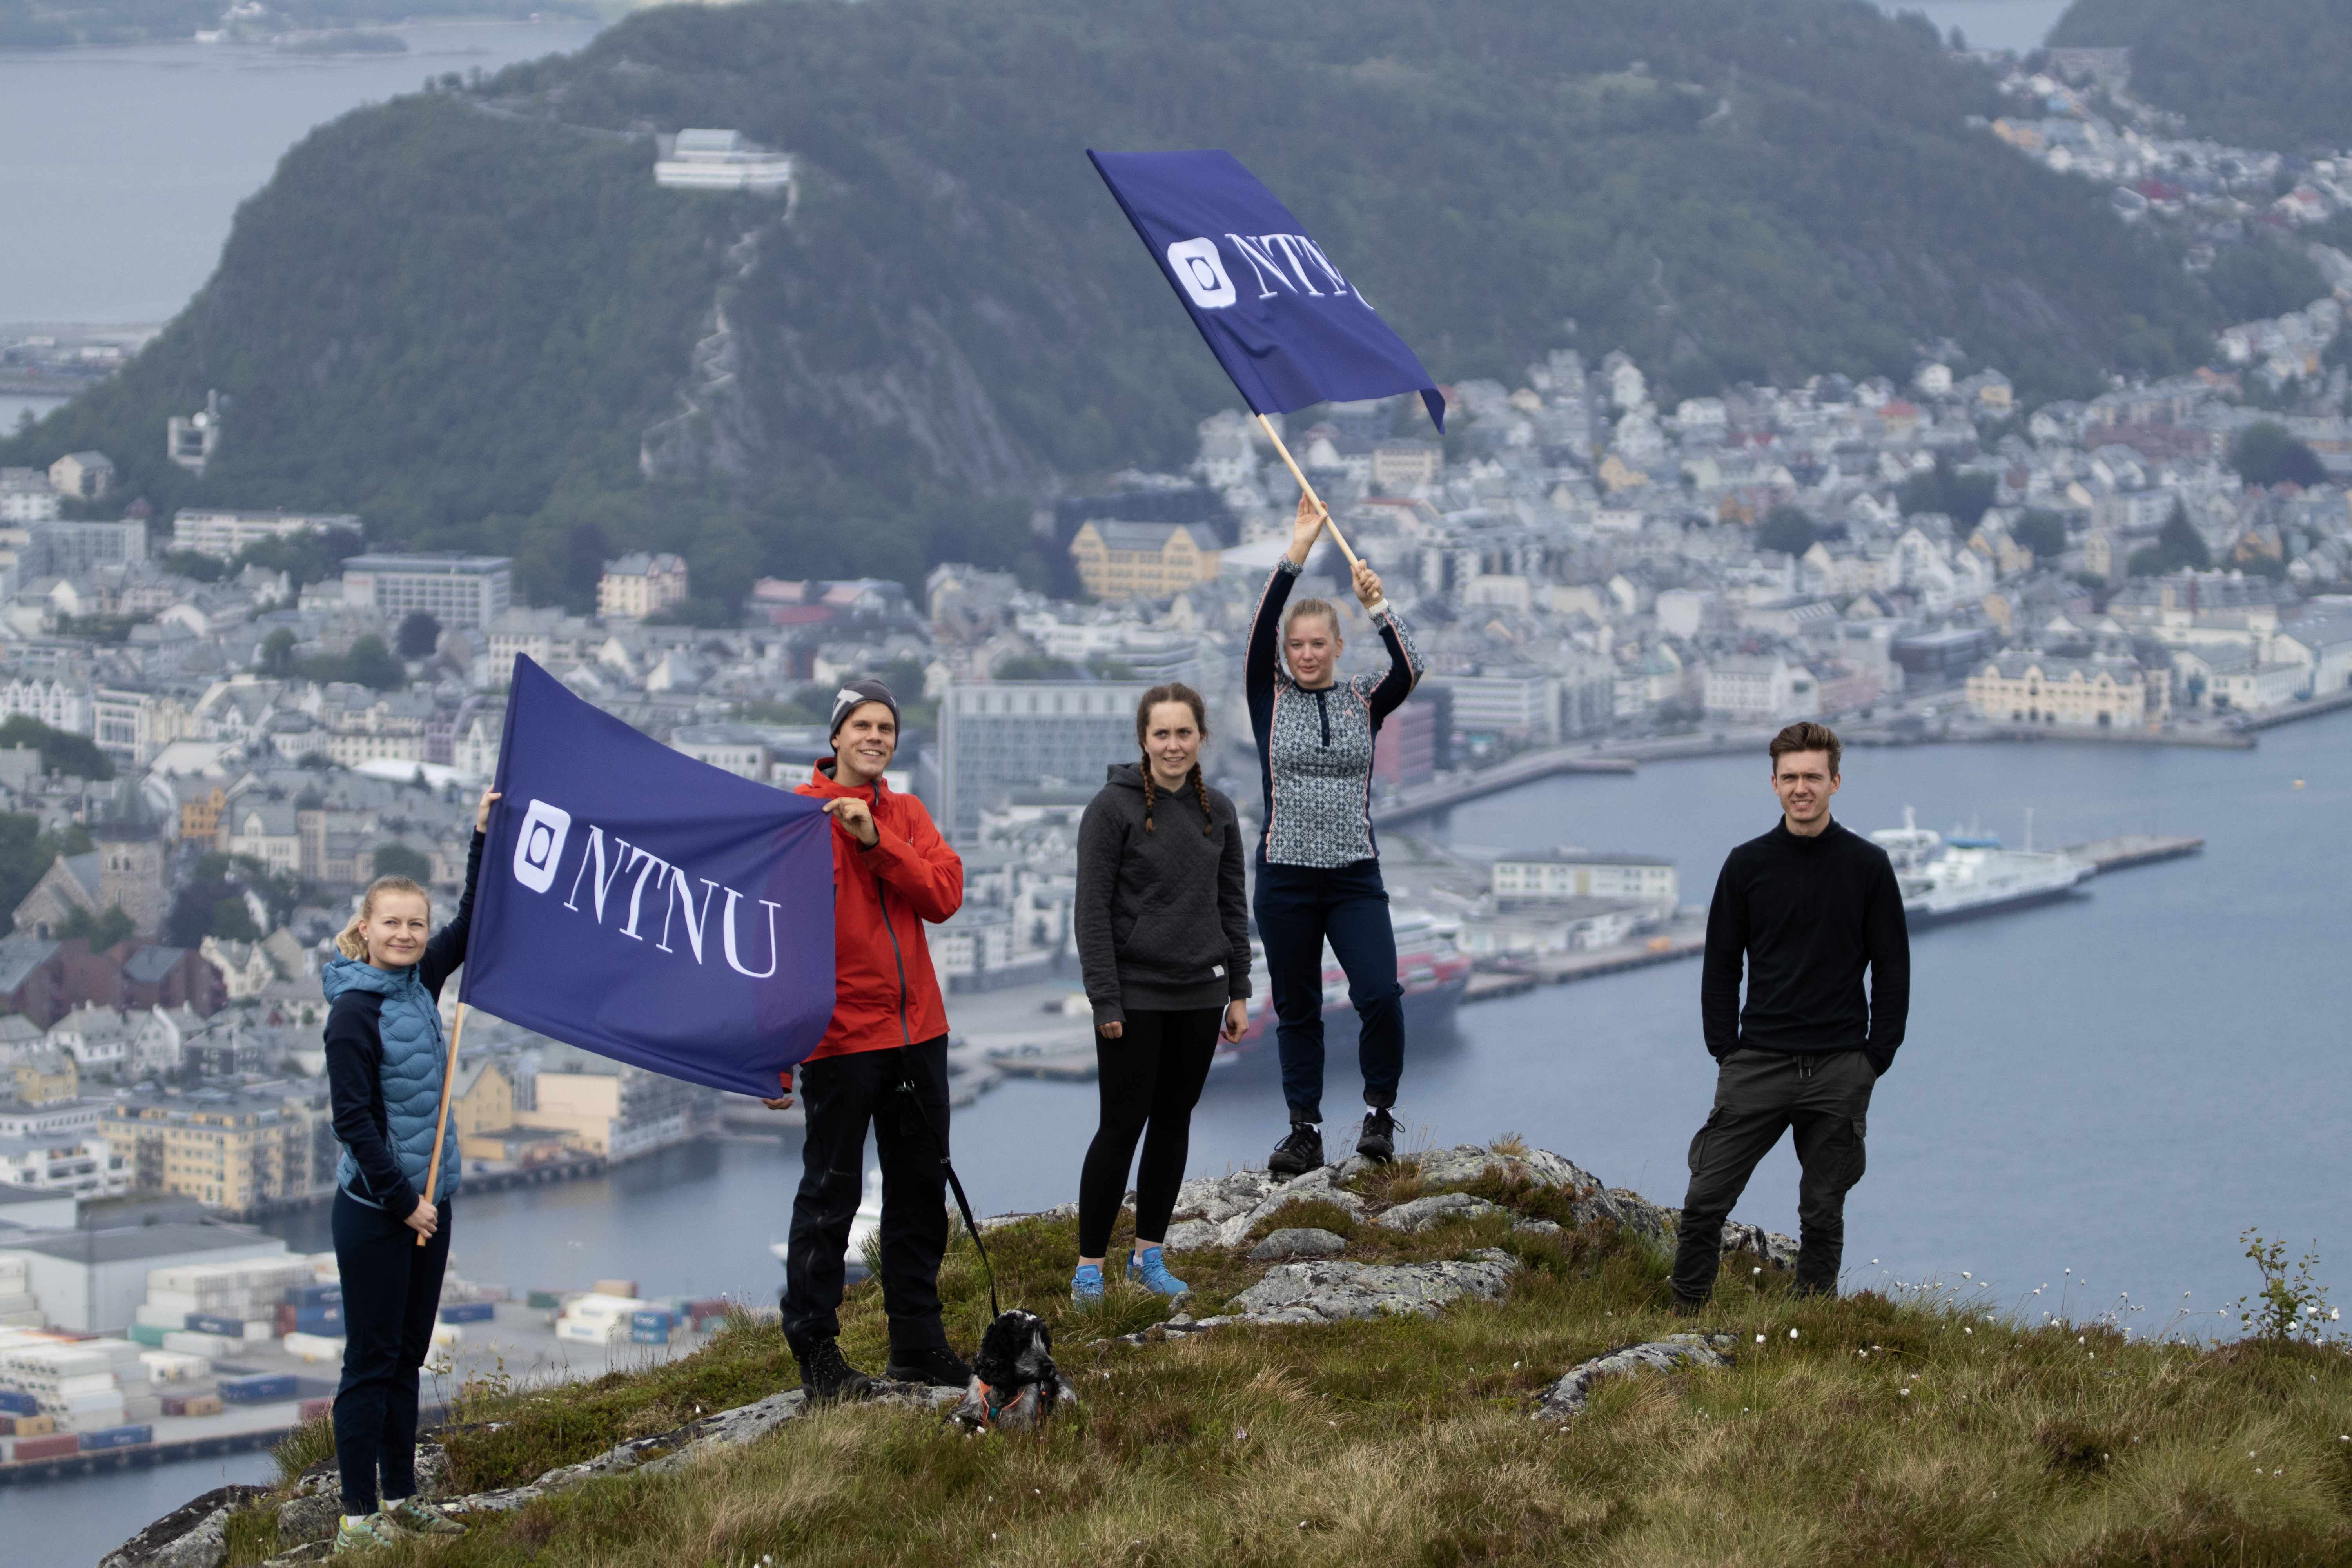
(1297,473)
(441,1126)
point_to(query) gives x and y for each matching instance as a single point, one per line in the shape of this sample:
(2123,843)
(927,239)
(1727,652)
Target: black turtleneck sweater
(1805,917)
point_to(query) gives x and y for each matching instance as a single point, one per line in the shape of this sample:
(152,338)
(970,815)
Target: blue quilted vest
(413,1060)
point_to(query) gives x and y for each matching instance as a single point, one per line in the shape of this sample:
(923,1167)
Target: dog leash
(963,1204)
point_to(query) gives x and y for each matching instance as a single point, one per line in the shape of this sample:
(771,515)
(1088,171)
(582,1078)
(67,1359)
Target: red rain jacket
(884,991)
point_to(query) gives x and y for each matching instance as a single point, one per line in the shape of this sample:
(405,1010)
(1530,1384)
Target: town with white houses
(204,758)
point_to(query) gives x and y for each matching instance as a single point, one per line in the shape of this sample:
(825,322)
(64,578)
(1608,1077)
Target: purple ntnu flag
(640,904)
(1280,316)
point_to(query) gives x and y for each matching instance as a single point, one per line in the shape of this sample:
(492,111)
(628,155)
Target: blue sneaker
(1085,1284)
(1148,1270)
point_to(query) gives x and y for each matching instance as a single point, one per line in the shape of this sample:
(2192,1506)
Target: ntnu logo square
(539,845)
(1201,271)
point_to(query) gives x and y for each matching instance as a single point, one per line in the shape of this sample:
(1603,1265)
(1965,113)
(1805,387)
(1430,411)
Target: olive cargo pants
(1825,1098)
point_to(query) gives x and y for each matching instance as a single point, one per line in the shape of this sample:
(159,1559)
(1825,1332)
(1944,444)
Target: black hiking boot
(1296,1155)
(828,1379)
(1687,1308)
(936,1365)
(1377,1142)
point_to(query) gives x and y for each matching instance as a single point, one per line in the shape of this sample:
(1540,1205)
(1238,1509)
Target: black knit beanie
(850,698)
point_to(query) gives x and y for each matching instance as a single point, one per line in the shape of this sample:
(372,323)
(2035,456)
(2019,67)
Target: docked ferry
(1434,972)
(1959,876)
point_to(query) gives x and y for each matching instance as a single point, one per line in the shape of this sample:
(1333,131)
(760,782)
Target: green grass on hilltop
(1863,1430)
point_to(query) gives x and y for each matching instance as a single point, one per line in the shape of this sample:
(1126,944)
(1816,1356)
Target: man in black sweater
(1805,909)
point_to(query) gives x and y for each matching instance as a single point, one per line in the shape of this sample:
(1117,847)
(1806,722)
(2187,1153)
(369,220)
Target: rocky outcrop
(1437,1209)
(1335,1292)
(1569,1395)
(1298,1241)
(194,1535)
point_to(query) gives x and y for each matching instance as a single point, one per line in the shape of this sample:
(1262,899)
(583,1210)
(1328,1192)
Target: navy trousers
(1299,907)
(392,1289)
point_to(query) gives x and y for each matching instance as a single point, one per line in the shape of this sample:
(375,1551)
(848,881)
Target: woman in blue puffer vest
(385,1064)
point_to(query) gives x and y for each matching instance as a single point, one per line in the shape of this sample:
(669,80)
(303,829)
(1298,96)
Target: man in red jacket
(884,1060)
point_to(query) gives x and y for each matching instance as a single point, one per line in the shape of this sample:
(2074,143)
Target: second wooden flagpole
(441,1123)
(1297,473)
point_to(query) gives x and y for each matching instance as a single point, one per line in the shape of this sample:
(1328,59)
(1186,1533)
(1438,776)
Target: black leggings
(1152,1073)
(391,1290)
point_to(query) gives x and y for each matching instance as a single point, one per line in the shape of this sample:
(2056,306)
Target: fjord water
(121,167)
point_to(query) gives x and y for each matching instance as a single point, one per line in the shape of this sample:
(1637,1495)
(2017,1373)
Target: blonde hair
(1322,607)
(352,942)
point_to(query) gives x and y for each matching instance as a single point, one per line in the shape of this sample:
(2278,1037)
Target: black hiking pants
(1149,1081)
(1824,1097)
(842,1095)
(392,1293)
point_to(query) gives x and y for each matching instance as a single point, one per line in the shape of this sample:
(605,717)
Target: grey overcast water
(120,168)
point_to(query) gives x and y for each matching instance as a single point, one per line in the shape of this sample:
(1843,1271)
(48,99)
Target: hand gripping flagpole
(1297,473)
(441,1122)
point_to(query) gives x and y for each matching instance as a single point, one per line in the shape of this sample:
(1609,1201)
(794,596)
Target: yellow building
(1143,559)
(2042,689)
(200,816)
(609,1108)
(47,1077)
(237,1152)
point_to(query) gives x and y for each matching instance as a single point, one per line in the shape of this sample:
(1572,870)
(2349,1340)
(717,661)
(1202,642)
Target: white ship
(1957,877)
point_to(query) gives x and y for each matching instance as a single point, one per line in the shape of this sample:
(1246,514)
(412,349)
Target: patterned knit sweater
(1315,748)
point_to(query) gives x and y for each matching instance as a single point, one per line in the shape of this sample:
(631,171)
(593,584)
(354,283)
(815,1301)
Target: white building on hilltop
(707,160)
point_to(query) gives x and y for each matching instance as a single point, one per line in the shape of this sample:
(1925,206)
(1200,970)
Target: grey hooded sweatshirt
(1162,917)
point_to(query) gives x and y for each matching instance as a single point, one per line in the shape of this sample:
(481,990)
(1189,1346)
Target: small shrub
(2285,1309)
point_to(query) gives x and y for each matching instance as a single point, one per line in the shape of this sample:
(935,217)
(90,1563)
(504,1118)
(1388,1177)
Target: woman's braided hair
(1175,691)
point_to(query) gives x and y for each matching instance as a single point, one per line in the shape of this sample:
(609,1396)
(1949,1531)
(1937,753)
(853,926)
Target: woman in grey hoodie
(1163,939)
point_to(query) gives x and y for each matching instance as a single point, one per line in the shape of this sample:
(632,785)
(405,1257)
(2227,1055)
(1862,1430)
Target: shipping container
(653,1336)
(651,1317)
(327,1320)
(147,1334)
(258,1388)
(545,1301)
(314,1295)
(212,1323)
(203,1404)
(468,1312)
(212,1347)
(49,1447)
(16,1402)
(35,1425)
(116,1438)
(314,1347)
(616,1288)
(175,1404)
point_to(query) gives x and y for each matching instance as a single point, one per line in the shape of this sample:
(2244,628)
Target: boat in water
(865,1227)
(1433,970)
(1959,876)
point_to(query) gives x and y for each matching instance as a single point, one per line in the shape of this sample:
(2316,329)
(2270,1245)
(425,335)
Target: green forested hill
(2259,73)
(460,314)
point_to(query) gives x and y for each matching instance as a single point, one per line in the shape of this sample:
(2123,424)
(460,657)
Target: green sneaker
(376,1530)
(418,1517)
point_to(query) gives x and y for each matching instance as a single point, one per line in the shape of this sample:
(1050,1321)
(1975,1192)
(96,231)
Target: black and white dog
(1014,1383)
